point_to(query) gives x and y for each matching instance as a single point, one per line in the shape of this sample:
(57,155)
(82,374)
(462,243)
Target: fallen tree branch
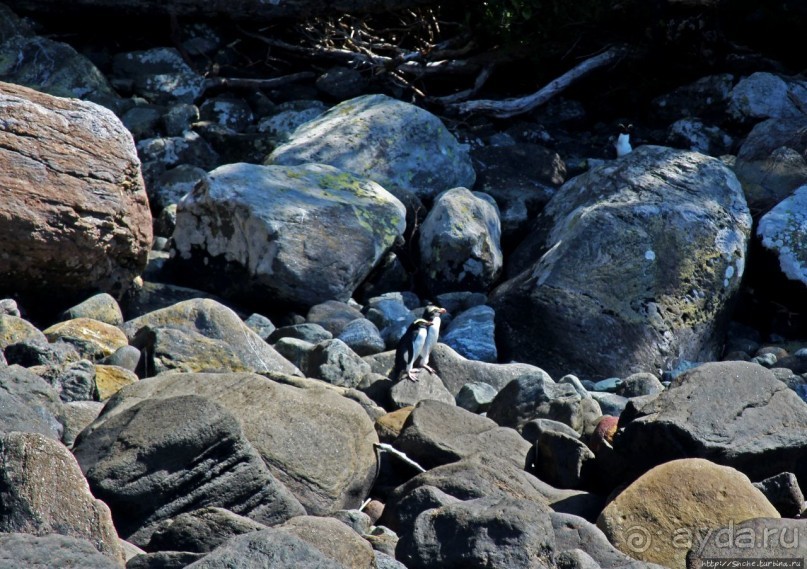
(481,79)
(246,83)
(511,107)
(392,450)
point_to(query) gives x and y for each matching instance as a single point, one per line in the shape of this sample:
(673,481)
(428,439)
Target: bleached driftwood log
(515,106)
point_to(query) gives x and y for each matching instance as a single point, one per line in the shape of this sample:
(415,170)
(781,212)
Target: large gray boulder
(770,163)
(29,403)
(316,442)
(334,538)
(782,231)
(573,532)
(460,243)
(298,234)
(763,95)
(736,414)
(72,185)
(201,530)
(271,547)
(165,456)
(472,334)
(436,433)
(632,267)
(160,75)
(420,156)
(52,67)
(534,395)
(496,532)
(477,477)
(52,551)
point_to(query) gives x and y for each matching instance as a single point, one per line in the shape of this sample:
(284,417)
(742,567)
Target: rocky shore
(203,291)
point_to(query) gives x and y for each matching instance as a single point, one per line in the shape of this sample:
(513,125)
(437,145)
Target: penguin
(409,349)
(432,314)
(622,144)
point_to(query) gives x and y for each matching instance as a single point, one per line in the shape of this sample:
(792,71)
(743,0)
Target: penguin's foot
(430,368)
(412,375)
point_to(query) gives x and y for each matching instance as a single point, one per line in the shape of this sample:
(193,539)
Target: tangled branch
(414,50)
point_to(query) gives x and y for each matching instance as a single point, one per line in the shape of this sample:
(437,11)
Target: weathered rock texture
(420,155)
(75,216)
(632,267)
(316,442)
(460,242)
(732,413)
(783,230)
(304,234)
(42,491)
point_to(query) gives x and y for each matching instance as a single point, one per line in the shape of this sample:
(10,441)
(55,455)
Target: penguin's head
(422,322)
(432,311)
(625,128)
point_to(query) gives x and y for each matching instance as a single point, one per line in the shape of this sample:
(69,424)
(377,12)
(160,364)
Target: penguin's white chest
(623,145)
(432,334)
(418,342)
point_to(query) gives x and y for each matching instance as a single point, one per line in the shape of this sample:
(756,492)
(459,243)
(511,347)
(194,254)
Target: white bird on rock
(622,144)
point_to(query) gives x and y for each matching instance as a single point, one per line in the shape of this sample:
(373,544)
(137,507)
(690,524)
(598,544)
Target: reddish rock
(604,432)
(74,218)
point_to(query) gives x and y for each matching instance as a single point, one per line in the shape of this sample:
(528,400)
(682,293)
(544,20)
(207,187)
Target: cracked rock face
(74,217)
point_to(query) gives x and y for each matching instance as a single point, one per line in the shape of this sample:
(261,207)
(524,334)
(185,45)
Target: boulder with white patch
(632,267)
(295,234)
(783,230)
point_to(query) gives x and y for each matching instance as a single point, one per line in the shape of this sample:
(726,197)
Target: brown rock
(110,379)
(660,515)
(75,216)
(389,426)
(93,338)
(333,538)
(14,329)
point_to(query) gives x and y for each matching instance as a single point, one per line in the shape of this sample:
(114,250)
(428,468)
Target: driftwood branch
(516,106)
(246,83)
(392,450)
(481,79)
